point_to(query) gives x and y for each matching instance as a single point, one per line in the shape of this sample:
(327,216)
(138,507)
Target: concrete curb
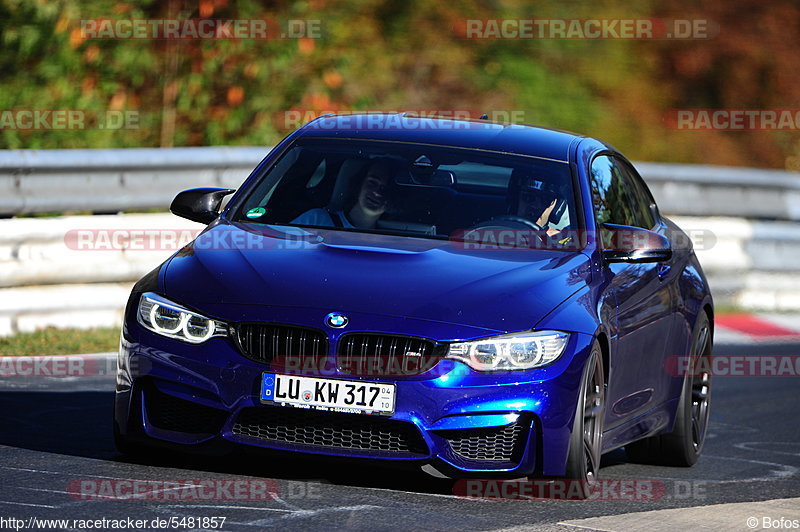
(746,328)
(716,517)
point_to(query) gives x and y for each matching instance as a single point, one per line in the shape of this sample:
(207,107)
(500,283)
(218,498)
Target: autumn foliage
(405,54)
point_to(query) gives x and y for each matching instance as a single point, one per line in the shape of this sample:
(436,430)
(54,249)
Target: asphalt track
(56,433)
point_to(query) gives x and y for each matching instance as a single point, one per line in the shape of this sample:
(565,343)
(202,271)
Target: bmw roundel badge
(336,320)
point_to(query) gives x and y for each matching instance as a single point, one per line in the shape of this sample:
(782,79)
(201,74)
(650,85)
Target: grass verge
(52,341)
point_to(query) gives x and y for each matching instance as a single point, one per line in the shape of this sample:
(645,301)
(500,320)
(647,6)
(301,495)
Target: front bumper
(461,422)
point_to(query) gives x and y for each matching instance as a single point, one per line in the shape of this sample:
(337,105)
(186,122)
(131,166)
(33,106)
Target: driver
(535,199)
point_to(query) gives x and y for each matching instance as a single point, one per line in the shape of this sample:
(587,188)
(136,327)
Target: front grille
(386,355)
(325,430)
(170,413)
(491,444)
(291,346)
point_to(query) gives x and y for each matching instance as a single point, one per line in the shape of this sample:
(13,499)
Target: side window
(640,197)
(609,194)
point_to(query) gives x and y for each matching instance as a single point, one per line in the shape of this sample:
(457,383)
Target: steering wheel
(514,223)
(510,221)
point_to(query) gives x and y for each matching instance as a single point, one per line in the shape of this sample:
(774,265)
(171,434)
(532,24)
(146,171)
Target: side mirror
(199,204)
(622,243)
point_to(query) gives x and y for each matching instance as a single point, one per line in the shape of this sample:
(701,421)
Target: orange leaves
(235,95)
(332,79)
(75,37)
(306,45)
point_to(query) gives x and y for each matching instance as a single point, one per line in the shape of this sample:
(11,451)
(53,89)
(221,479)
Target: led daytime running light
(151,315)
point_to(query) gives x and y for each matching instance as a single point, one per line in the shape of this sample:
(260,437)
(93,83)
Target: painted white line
(69,474)
(748,446)
(62,492)
(441,495)
(781,471)
(144,496)
(221,507)
(28,504)
(291,507)
(303,514)
(311,513)
(261,523)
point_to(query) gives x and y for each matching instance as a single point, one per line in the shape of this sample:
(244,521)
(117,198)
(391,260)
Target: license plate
(328,394)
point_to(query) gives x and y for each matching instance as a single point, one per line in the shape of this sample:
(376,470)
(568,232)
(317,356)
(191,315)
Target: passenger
(370,203)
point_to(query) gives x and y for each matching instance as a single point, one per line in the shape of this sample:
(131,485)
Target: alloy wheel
(593,403)
(701,393)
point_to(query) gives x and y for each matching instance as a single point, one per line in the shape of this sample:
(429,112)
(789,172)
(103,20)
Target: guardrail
(36,181)
(703,190)
(753,260)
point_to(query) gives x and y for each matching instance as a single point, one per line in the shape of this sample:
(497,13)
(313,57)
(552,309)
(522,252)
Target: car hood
(250,264)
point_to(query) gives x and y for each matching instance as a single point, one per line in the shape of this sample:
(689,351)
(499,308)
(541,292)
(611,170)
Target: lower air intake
(504,444)
(325,430)
(170,413)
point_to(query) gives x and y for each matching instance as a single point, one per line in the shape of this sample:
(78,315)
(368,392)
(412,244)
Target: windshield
(417,190)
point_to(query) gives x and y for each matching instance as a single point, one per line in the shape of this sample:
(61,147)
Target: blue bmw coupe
(473,298)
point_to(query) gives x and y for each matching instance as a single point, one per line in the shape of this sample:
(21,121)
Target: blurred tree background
(406,54)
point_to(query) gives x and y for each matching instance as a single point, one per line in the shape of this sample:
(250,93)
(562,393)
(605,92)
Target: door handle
(663,270)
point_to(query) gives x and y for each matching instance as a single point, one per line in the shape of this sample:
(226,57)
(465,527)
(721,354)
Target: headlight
(169,319)
(516,351)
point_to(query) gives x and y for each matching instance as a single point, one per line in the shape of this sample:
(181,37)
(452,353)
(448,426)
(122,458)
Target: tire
(125,444)
(586,440)
(126,447)
(682,446)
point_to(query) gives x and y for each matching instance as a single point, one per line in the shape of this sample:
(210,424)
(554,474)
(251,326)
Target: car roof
(519,139)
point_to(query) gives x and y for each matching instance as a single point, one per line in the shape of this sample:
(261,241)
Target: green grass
(52,341)
(728,309)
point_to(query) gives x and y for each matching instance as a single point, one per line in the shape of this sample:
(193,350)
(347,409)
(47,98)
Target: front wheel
(586,440)
(126,447)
